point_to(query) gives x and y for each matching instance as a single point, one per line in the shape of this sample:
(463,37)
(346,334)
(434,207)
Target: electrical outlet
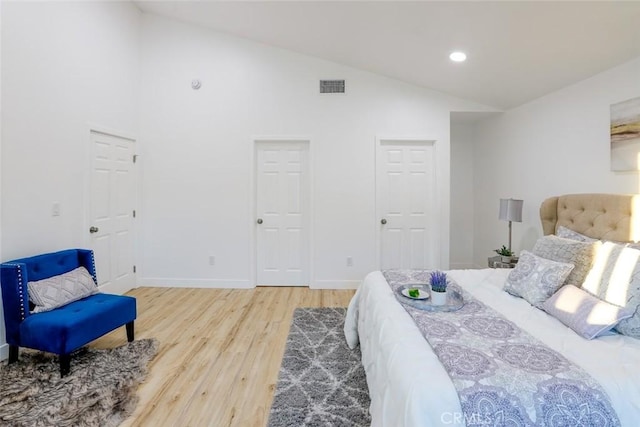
(212,260)
(349,261)
(55,209)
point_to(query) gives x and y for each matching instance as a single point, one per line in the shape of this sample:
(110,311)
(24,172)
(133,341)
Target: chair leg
(13,353)
(65,364)
(130,331)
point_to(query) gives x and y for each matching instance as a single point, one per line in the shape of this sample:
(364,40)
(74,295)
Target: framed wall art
(625,135)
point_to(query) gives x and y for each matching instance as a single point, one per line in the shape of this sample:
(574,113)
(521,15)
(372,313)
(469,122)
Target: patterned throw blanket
(503,375)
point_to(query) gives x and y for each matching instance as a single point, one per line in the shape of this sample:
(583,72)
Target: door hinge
(135,157)
(134,213)
(134,268)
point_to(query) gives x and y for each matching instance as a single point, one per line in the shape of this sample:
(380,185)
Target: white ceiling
(517,50)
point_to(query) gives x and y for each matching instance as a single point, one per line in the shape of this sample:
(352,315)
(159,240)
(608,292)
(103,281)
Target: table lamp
(510,210)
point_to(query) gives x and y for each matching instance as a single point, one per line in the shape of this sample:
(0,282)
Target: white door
(406,204)
(111,207)
(282,207)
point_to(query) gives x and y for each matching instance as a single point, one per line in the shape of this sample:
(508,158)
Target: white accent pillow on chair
(60,290)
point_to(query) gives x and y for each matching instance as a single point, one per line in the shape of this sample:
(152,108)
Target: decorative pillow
(584,313)
(57,291)
(535,279)
(566,233)
(580,254)
(615,278)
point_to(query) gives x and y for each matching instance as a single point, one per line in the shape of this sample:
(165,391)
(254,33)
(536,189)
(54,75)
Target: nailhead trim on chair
(20,286)
(20,283)
(95,272)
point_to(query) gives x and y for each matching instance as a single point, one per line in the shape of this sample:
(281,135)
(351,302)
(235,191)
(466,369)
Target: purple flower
(438,281)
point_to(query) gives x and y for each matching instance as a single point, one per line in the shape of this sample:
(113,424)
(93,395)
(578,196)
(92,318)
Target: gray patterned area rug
(321,382)
(100,390)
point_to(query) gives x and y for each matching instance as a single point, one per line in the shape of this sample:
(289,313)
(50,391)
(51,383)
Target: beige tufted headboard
(601,216)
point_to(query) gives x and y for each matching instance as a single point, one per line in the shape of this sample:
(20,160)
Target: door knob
(259,221)
(93,229)
(383,221)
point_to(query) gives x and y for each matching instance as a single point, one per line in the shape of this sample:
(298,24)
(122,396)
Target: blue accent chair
(64,329)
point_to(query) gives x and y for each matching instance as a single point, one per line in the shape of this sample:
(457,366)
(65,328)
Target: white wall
(64,65)
(554,145)
(4,350)
(197,152)
(462,207)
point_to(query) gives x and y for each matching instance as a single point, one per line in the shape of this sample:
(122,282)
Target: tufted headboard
(601,216)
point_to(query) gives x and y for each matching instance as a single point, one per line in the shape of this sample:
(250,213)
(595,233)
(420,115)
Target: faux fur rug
(100,390)
(321,381)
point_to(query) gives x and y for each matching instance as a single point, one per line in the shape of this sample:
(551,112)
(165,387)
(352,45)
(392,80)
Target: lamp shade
(511,210)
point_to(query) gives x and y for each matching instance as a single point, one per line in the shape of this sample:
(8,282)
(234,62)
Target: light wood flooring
(220,351)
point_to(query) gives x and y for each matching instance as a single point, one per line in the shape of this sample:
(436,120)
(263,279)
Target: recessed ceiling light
(458,56)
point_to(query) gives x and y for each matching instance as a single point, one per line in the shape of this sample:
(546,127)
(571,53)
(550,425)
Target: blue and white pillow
(536,279)
(579,254)
(566,233)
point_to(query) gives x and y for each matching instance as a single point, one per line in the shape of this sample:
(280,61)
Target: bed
(408,384)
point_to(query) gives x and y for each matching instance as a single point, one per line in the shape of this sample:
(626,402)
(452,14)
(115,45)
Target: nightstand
(495,262)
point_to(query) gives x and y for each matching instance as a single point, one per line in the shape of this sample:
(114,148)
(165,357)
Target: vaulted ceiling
(517,50)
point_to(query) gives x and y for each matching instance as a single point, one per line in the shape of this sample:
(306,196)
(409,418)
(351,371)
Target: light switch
(55,209)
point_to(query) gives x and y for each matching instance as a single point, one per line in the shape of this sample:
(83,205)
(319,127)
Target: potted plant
(506,255)
(438,281)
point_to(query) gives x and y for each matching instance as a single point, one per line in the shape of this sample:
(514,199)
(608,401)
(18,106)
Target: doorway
(406,204)
(282,222)
(111,210)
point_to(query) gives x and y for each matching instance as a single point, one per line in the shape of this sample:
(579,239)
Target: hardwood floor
(220,351)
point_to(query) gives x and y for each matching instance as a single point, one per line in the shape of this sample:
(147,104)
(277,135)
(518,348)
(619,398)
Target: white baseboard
(113,289)
(4,351)
(335,284)
(235,283)
(195,283)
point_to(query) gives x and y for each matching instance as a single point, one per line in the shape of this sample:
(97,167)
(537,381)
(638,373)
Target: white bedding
(408,385)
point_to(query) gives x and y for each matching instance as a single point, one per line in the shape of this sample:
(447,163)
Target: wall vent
(332,86)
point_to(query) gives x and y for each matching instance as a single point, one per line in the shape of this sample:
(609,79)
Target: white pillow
(62,289)
(615,278)
(535,279)
(584,313)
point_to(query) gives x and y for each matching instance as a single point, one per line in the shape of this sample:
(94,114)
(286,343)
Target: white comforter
(408,385)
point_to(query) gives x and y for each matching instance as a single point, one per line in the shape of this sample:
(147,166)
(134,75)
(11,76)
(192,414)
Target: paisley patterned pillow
(535,279)
(566,233)
(580,254)
(584,313)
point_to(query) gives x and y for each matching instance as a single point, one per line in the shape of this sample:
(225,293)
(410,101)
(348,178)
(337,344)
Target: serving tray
(454,299)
